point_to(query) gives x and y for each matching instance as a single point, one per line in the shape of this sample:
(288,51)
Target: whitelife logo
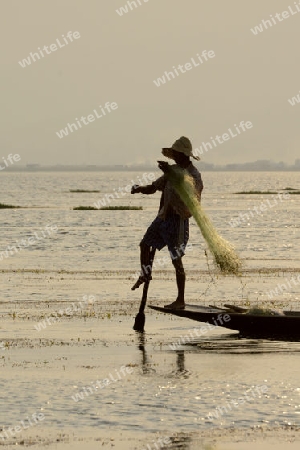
(264,206)
(56,316)
(205,146)
(25,243)
(109,106)
(132,5)
(281,286)
(197,332)
(224,409)
(100,384)
(109,197)
(11,159)
(294,100)
(35,418)
(163,261)
(53,47)
(168,76)
(279,17)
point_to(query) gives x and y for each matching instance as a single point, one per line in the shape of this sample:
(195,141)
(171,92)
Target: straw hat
(182,145)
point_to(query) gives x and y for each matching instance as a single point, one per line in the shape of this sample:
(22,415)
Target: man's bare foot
(141,279)
(176,305)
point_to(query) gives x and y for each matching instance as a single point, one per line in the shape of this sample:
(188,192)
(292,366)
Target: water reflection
(184,387)
(229,344)
(182,442)
(180,362)
(234,344)
(146,364)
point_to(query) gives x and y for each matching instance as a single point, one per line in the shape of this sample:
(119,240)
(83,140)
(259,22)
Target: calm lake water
(109,239)
(96,253)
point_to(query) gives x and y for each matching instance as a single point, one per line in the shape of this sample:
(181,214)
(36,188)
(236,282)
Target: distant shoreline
(247,167)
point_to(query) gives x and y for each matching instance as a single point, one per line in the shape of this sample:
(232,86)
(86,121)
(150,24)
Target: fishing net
(223,252)
(264,312)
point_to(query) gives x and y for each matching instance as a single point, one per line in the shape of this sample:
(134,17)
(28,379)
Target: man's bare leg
(146,258)
(180,279)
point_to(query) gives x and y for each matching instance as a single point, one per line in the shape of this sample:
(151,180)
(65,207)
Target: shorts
(173,232)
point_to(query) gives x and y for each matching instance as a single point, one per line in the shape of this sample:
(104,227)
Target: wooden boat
(250,323)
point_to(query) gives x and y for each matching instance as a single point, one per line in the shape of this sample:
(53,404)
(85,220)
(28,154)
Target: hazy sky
(116,60)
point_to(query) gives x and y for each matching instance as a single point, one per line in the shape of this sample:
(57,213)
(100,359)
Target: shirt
(170,202)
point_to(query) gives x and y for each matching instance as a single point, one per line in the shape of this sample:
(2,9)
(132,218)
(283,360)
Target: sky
(115,60)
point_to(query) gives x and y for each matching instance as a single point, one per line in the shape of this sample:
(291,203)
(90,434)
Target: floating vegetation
(4,206)
(289,189)
(256,192)
(224,254)
(121,208)
(84,208)
(83,191)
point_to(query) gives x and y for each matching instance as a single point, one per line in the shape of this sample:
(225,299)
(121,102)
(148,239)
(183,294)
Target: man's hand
(164,166)
(135,189)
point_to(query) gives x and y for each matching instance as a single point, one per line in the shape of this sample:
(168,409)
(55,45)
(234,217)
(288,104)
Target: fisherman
(171,226)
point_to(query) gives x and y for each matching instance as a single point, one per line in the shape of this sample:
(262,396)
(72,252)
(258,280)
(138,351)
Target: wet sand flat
(154,392)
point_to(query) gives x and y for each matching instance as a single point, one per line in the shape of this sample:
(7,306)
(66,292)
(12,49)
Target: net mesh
(225,256)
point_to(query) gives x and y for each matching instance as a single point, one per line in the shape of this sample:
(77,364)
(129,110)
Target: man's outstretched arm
(149,189)
(157,185)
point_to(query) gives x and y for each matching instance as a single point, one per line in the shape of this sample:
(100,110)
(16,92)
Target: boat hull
(283,327)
